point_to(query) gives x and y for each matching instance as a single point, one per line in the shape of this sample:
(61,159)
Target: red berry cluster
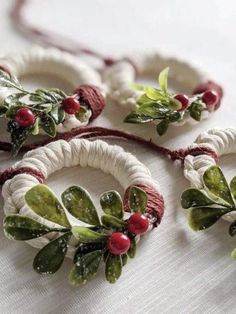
(119,243)
(210,97)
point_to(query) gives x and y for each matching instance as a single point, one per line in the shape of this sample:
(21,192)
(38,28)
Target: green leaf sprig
(92,240)
(45,104)
(160,105)
(206,206)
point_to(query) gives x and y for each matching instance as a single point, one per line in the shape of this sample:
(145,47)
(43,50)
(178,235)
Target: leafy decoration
(45,104)
(159,104)
(205,207)
(92,241)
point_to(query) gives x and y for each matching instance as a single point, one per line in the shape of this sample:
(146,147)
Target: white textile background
(176,270)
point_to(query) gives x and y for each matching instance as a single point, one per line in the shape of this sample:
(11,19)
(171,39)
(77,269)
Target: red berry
(118,243)
(25,117)
(183,99)
(71,105)
(138,223)
(210,98)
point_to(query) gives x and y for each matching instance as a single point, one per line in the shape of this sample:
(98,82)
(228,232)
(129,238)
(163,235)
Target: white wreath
(125,168)
(65,66)
(119,76)
(222,141)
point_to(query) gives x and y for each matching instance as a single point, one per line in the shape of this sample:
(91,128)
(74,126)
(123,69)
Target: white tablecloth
(176,270)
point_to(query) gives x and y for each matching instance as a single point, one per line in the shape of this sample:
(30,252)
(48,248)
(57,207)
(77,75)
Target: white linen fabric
(176,271)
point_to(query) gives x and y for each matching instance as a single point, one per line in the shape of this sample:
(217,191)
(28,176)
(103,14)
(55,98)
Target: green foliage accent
(233,187)
(79,203)
(195,110)
(162,127)
(48,125)
(112,204)
(136,117)
(50,258)
(113,222)
(18,137)
(86,268)
(233,254)
(86,235)
(124,258)
(162,79)
(204,217)
(81,115)
(195,198)
(23,228)
(132,249)
(154,110)
(113,268)
(216,183)
(44,203)
(137,199)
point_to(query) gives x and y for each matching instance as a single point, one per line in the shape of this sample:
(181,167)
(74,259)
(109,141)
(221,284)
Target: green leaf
(45,204)
(58,114)
(124,258)
(81,115)
(18,137)
(136,87)
(195,198)
(86,235)
(233,254)
(78,202)
(50,258)
(23,228)
(135,117)
(233,187)
(174,116)
(35,130)
(162,80)
(12,110)
(154,94)
(195,110)
(6,81)
(113,268)
(48,125)
(232,229)
(216,183)
(154,110)
(86,269)
(14,99)
(137,199)
(143,99)
(112,204)
(88,248)
(162,127)
(112,222)
(132,249)
(205,217)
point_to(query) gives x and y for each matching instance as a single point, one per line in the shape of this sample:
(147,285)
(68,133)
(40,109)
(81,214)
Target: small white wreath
(222,142)
(51,61)
(78,152)
(120,76)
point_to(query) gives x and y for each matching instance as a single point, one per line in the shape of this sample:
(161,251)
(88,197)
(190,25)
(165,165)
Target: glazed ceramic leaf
(45,204)
(205,217)
(162,127)
(86,268)
(23,228)
(112,204)
(154,94)
(216,183)
(48,125)
(135,117)
(137,199)
(233,187)
(162,80)
(112,222)
(232,229)
(154,110)
(143,99)
(50,258)
(86,235)
(78,202)
(132,249)
(113,268)
(88,248)
(195,198)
